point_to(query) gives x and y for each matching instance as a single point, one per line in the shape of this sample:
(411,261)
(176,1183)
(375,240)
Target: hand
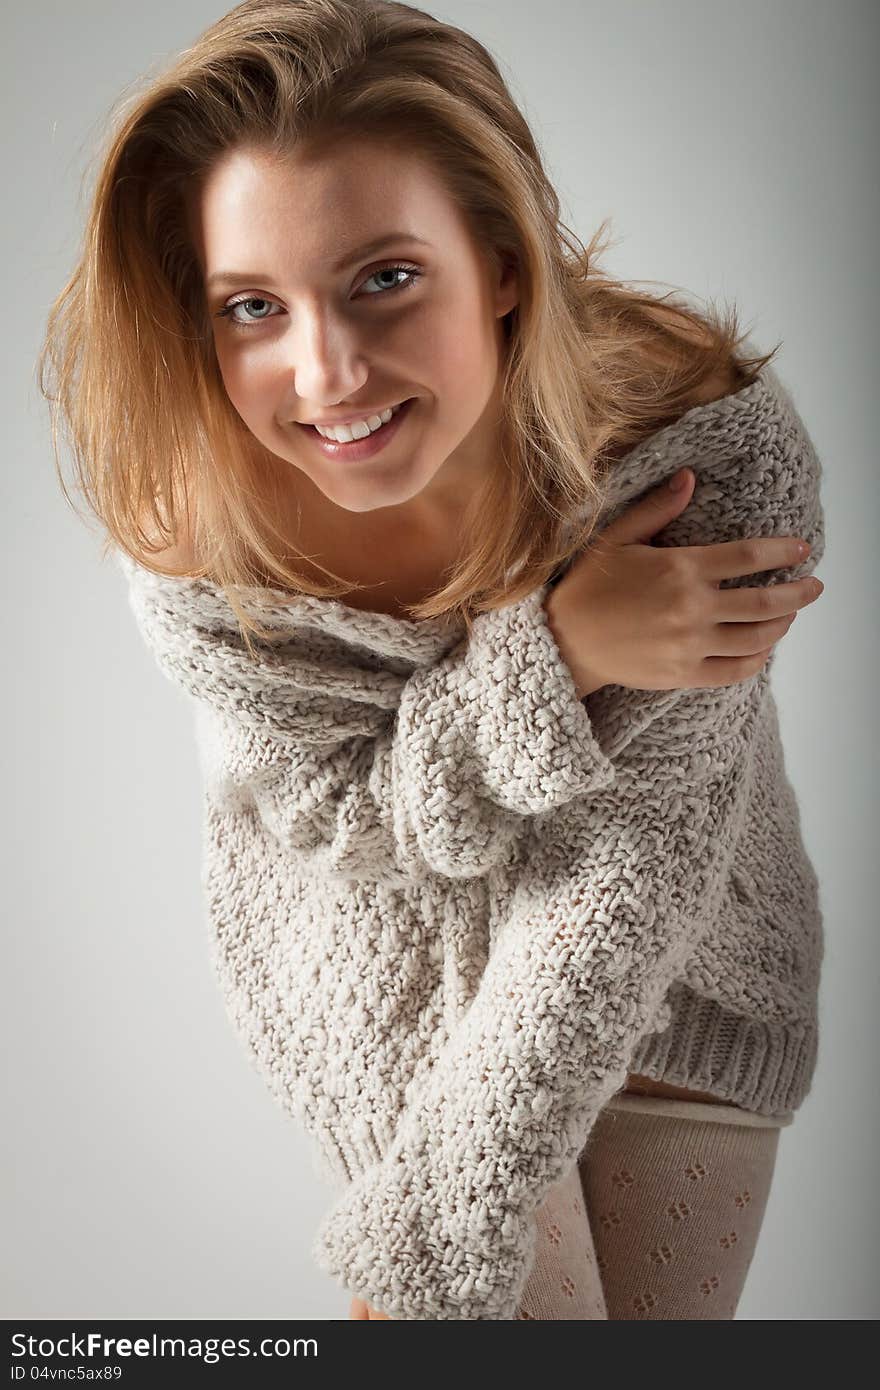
(362,1310)
(653,617)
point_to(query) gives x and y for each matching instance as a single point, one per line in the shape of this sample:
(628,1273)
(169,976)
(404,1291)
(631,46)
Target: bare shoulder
(180,554)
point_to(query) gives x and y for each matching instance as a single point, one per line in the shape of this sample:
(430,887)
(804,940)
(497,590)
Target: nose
(327,360)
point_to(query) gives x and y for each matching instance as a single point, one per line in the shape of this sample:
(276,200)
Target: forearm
(584,680)
(361,772)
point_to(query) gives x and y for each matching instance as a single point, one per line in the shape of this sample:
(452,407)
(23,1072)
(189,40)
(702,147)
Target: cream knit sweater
(452,906)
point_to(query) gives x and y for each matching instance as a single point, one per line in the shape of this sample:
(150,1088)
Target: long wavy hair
(591,366)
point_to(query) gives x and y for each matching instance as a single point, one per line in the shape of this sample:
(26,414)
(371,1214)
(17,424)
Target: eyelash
(227,309)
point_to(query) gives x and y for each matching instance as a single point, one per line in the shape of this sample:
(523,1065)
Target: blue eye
(235,305)
(407,270)
(397,270)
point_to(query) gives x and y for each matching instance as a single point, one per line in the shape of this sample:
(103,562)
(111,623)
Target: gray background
(148,1172)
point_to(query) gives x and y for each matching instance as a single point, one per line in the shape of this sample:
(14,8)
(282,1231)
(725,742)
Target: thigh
(675,1193)
(564,1283)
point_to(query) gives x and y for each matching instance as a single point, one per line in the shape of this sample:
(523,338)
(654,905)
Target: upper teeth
(358,429)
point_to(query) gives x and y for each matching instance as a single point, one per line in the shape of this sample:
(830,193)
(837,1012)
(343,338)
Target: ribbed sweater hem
(763,1067)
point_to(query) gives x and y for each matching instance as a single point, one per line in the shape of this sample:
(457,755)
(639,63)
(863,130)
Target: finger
(732,559)
(762,603)
(730,670)
(645,517)
(749,639)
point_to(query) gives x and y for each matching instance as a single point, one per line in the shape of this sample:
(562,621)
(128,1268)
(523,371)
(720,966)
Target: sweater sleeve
(620,890)
(364,771)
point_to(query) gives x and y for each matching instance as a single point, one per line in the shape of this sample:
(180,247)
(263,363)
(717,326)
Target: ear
(506,285)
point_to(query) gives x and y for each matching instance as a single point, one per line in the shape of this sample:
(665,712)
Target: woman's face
(326,328)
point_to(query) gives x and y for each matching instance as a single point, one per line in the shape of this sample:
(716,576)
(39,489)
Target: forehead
(302,212)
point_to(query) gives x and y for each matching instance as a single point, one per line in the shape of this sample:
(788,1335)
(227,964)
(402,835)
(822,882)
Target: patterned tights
(659,1217)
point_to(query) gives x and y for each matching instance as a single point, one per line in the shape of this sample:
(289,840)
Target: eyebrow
(223,277)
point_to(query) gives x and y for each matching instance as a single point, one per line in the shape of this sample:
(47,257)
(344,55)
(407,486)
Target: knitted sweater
(452,906)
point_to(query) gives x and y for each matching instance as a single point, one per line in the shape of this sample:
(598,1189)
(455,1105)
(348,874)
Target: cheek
(459,353)
(247,384)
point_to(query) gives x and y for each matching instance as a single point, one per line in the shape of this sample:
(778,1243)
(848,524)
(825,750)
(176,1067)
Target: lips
(371,444)
(358,419)
(368,415)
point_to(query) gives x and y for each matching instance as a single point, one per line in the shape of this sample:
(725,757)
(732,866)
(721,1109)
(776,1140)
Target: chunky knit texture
(452,906)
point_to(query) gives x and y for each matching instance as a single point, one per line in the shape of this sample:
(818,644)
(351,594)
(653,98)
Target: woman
(473,783)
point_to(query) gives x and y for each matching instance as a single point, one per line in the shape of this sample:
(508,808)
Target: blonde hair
(591,366)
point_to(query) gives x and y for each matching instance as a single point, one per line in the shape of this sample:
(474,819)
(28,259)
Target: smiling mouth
(361,447)
(395,410)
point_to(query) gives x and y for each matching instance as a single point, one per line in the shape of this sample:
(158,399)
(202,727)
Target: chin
(366,501)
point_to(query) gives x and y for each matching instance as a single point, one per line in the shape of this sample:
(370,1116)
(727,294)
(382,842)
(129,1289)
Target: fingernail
(678,480)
